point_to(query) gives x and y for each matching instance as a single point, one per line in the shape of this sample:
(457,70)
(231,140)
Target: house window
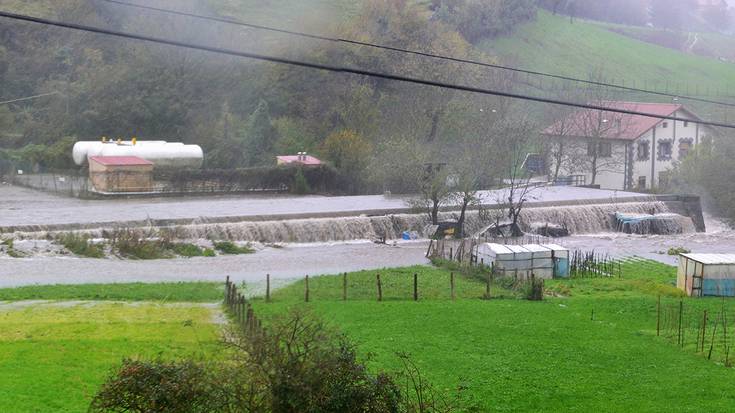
(601,150)
(685,146)
(605,150)
(664,150)
(641,182)
(643,151)
(665,125)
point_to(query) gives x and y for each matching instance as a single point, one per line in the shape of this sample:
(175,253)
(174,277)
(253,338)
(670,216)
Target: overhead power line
(418,53)
(28,98)
(347,70)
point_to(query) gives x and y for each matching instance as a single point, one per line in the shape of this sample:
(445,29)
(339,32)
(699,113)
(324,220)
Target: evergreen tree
(259,136)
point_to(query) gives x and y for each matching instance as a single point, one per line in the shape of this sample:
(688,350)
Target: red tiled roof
(622,126)
(306,159)
(120,160)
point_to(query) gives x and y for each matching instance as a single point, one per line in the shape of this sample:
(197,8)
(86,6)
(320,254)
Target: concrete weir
(594,214)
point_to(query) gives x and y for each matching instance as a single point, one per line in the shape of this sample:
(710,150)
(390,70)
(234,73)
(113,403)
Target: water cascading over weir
(576,218)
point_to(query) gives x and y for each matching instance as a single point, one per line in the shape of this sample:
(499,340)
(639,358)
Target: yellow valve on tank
(134,140)
(104,139)
(119,141)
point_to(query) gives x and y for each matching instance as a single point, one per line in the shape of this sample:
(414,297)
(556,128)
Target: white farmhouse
(620,151)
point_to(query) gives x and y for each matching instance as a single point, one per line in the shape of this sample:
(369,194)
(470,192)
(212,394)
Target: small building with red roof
(299,159)
(121,174)
(622,151)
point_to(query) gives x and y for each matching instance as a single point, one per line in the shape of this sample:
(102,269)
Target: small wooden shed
(121,174)
(707,275)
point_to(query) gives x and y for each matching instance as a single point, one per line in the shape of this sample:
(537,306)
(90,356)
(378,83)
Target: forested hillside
(243,112)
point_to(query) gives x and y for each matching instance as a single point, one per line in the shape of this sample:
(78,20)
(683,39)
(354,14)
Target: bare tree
(594,152)
(587,141)
(515,135)
(435,191)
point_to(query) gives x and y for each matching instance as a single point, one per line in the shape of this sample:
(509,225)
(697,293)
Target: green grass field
(516,355)
(162,292)
(53,357)
(554,45)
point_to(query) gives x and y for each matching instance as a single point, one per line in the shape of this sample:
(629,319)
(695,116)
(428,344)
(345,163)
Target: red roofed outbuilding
(121,174)
(299,159)
(621,150)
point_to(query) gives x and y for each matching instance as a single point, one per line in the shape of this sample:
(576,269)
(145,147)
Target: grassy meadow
(583,48)
(590,345)
(161,292)
(54,356)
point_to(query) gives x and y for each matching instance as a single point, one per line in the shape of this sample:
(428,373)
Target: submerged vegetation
(230,248)
(81,245)
(136,244)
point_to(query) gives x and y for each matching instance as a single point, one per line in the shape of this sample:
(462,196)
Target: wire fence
(703,331)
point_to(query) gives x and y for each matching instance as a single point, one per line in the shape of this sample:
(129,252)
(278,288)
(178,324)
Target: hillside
(552,44)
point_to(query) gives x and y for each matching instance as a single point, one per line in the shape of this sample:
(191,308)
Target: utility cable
(418,53)
(28,98)
(338,69)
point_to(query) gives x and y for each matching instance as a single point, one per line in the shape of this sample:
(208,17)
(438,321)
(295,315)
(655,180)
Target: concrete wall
(76,186)
(686,205)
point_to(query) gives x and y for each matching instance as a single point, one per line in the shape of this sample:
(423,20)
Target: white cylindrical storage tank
(163,154)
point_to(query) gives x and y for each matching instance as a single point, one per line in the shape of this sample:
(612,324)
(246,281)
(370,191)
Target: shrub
(678,250)
(159,386)
(228,247)
(187,250)
(133,244)
(300,185)
(533,289)
(80,245)
(208,252)
(296,364)
(301,365)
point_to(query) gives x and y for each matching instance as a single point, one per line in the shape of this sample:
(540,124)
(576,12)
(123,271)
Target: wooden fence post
(681,312)
(380,288)
(714,332)
(658,316)
(238,307)
(227,288)
(451,284)
(415,287)
(451,253)
(267,288)
(704,328)
(249,319)
(344,287)
(306,288)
